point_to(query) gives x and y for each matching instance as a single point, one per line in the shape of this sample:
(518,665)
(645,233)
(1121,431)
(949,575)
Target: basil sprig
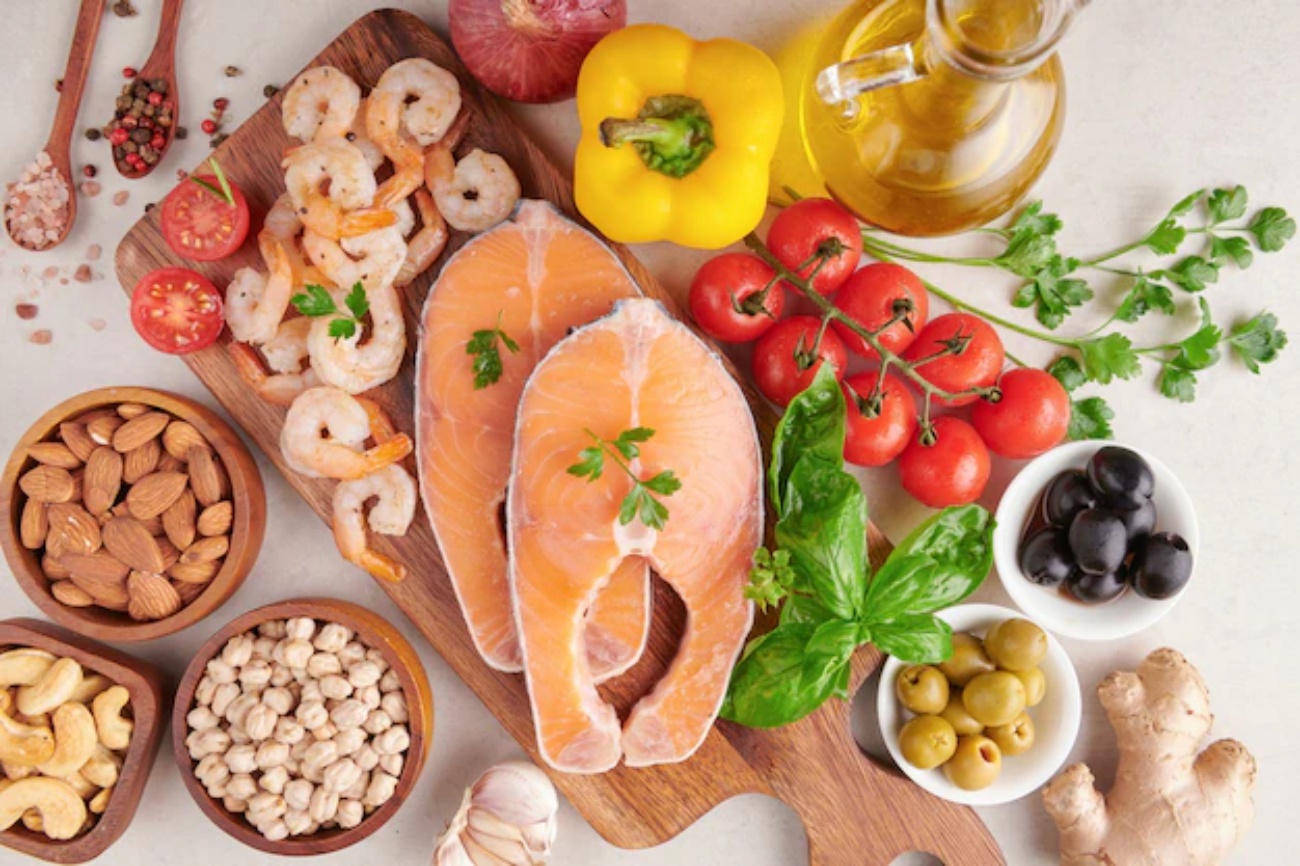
(832,603)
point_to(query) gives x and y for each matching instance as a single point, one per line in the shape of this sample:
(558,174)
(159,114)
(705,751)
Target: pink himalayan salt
(93,252)
(36,206)
(41,337)
(120,197)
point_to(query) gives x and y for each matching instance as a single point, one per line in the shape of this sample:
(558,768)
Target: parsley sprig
(487,357)
(1055,285)
(640,502)
(317,301)
(224,193)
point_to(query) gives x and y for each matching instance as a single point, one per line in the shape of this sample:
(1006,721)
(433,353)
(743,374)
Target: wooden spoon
(161,65)
(59,145)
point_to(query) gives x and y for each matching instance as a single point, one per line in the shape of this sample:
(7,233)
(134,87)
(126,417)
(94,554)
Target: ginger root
(1171,804)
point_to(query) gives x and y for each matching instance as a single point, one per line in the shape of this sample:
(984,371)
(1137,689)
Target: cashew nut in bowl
(63,812)
(74,740)
(89,688)
(23,745)
(114,729)
(99,803)
(102,768)
(55,687)
(81,785)
(23,666)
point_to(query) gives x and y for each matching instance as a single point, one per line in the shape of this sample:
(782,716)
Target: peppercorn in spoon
(41,206)
(147,111)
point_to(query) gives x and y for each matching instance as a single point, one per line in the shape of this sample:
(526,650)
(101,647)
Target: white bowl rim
(1098,625)
(1049,757)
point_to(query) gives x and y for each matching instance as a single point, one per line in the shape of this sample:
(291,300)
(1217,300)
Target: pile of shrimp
(338,226)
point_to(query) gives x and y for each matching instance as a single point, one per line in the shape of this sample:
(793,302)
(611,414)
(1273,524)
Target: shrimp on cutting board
(425,245)
(321,103)
(334,189)
(373,259)
(325,432)
(372,355)
(282,376)
(413,105)
(472,194)
(392,491)
(255,303)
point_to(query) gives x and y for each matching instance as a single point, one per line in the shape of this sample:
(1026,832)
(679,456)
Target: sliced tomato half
(177,311)
(200,225)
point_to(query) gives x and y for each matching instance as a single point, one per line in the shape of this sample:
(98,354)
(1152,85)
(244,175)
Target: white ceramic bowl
(1056,719)
(1128,614)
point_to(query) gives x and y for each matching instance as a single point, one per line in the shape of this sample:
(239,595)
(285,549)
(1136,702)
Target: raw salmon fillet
(538,275)
(638,367)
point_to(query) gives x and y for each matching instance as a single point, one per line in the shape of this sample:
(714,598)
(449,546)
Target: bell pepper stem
(673,134)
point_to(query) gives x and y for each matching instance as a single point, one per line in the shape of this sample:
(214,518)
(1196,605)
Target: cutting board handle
(857,813)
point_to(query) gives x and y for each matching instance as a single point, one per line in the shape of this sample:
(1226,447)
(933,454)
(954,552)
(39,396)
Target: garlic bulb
(506,819)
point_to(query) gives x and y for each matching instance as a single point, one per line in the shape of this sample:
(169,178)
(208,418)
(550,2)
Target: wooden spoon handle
(89,18)
(164,48)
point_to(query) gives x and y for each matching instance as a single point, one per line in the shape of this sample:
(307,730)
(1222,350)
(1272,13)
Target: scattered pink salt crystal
(120,197)
(41,337)
(50,273)
(93,252)
(26,311)
(97,324)
(91,188)
(83,274)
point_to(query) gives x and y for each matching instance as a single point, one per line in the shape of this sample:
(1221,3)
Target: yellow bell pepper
(677,137)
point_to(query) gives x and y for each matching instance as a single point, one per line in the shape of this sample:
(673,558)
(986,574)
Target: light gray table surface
(1165,96)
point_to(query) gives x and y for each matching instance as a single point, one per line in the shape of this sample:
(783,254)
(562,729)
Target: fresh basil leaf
(836,637)
(778,681)
(813,424)
(805,609)
(825,531)
(940,563)
(919,639)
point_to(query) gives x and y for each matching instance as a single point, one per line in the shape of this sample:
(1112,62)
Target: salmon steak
(532,279)
(637,368)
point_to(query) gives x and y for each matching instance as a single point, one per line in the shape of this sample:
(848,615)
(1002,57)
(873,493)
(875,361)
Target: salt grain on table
(41,337)
(36,206)
(51,272)
(93,252)
(120,197)
(97,324)
(91,188)
(83,274)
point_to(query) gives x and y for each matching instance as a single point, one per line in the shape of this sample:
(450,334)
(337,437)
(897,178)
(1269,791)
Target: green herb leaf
(1258,341)
(813,424)
(1067,371)
(825,531)
(343,328)
(626,443)
(921,639)
(1234,249)
(1272,228)
(315,301)
(771,578)
(1027,254)
(1053,293)
(1200,350)
(1177,383)
(1185,205)
(1227,204)
(357,302)
(639,503)
(1032,221)
(1144,296)
(1192,274)
(1109,357)
(777,680)
(1090,419)
(938,564)
(1166,238)
(665,483)
(487,366)
(224,193)
(590,465)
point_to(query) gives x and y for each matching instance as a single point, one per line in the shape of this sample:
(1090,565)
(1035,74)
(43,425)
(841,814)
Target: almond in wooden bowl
(133,731)
(128,514)
(301,727)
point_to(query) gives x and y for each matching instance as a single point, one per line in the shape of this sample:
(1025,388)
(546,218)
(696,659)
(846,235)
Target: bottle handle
(840,85)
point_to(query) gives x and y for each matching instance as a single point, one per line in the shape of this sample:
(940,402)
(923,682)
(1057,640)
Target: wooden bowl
(147,687)
(373,631)
(247,495)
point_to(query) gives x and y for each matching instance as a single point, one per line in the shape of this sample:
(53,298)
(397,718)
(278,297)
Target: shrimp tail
(381,426)
(390,451)
(366,220)
(382,567)
(276,390)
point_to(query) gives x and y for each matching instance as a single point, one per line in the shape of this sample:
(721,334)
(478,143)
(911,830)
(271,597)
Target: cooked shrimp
(283,226)
(473,194)
(372,259)
(255,304)
(280,389)
(394,491)
(427,244)
(324,432)
(334,190)
(286,351)
(365,360)
(321,103)
(357,135)
(412,106)
(405,216)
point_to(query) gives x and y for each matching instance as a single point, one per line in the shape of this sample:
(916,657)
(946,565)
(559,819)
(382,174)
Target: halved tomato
(200,225)
(177,311)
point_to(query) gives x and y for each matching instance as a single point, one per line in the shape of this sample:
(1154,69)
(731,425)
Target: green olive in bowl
(1014,738)
(1035,685)
(927,742)
(1016,644)
(955,714)
(968,660)
(995,698)
(922,689)
(976,763)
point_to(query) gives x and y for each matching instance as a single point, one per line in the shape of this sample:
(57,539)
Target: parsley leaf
(1144,296)
(1177,383)
(591,464)
(487,364)
(771,578)
(1109,357)
(1027,254)
(343,328)
(626,441)
(1200,350)
(316,301)
(1067,371)
(1192,274)
(357,302)
(1227,204)
(1032,221)
(1090,419)
(1185,205)
(1165,238)
(1052,293)
(1258,341)
(1272,228)
(640,503)
(665,483)
(1236,249)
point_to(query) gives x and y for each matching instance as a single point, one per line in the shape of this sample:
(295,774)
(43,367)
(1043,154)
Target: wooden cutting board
(856,813)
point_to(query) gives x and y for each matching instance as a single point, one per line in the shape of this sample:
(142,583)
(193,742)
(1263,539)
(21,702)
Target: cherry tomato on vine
(799,231)
(784,363)
(876,440)
(177,311)
(977,365)
(868,298)
(200,225)
(1032,416)
(727,299)
(952,471)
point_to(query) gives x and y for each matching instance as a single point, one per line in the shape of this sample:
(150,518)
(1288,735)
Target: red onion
(531,50)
